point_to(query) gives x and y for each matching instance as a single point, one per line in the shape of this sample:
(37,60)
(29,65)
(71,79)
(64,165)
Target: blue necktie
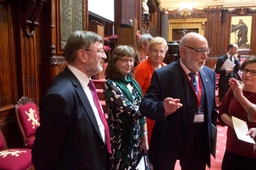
(194,82)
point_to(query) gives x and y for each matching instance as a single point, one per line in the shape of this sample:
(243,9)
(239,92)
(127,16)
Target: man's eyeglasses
(158,51)
(97,51)
(199,50)
(125,61)
(252,72)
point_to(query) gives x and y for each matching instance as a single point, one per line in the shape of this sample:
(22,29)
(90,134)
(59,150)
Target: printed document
(241,129)
(227,64)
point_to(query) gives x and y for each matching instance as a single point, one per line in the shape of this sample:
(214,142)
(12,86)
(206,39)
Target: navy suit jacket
(223,81)
(69,136)
(168,133)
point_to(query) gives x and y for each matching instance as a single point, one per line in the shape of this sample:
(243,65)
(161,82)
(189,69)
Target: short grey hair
(144,38)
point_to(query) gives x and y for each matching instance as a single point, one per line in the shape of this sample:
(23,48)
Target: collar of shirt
(83,79)
(187,71)
(228,55)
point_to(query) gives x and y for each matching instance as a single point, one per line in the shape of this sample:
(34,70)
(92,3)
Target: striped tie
(193,81)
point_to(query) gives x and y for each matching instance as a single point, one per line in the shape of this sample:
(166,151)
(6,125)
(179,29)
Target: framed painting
(240,33)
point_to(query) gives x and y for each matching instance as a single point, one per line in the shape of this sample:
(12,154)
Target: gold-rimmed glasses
(199,50)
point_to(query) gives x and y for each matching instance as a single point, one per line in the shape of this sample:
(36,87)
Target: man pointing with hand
(181,100)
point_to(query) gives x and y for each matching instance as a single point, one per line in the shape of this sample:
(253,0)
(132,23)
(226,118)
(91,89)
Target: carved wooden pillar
(30,10)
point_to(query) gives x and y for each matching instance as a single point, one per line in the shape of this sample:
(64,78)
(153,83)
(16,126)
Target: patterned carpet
(221,145)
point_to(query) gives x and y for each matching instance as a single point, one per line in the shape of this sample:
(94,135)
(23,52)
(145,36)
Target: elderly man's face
(194,54)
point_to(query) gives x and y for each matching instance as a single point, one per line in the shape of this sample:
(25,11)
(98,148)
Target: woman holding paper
(239,154)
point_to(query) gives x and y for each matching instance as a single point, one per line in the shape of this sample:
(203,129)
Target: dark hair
(119,52)
(249,60)
(78,40)
(230,46)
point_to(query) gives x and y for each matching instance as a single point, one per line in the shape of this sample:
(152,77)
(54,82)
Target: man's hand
(171,105)
(229,70)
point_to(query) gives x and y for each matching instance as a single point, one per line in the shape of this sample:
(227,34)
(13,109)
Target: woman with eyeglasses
(123,97)
(143,71)
(239,102)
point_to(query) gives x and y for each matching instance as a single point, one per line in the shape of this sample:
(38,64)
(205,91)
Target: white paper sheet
(141,165)
(241,129)
(227,64)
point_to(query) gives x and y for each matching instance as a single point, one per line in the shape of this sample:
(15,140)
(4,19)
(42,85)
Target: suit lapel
(206,85)
(83,98)
(178,82)
(226,57)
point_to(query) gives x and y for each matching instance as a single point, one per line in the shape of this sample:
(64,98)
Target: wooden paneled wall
(31,54)
(217,28)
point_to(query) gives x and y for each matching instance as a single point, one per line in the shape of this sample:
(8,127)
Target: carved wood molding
(212,10)
(55,60)
(242,11)
(29,24)
(24,100)
(195,13)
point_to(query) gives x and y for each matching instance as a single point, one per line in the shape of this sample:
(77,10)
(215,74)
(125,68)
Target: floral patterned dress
(125,123)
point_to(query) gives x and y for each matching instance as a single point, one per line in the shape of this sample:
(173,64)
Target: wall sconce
(185,10)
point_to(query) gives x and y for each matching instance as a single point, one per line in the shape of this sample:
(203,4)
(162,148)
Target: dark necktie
(102,117)
(231,73)
(231,58)
(193,81)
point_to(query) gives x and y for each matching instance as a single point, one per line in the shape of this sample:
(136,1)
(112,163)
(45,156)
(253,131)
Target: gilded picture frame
(240,31)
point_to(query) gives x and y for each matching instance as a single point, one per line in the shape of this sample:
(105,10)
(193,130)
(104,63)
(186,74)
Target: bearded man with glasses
(73,133)
(181,100)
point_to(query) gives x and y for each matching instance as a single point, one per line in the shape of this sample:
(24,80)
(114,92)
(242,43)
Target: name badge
(199,117)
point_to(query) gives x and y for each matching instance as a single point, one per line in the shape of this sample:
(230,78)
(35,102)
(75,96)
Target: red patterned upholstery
(28,119)
(14,158)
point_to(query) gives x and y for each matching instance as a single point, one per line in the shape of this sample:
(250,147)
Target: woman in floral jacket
(123,97)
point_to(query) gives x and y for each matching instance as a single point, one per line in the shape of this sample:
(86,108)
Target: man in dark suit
(72,135)
(226,74)
(183,107)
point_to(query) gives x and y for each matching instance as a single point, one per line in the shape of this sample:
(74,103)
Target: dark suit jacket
(223,81)
(69,136)
(168,133)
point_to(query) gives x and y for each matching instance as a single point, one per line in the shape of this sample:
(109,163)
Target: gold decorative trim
(188,23)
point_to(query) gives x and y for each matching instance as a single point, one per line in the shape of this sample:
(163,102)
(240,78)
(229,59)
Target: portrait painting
(240,33)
